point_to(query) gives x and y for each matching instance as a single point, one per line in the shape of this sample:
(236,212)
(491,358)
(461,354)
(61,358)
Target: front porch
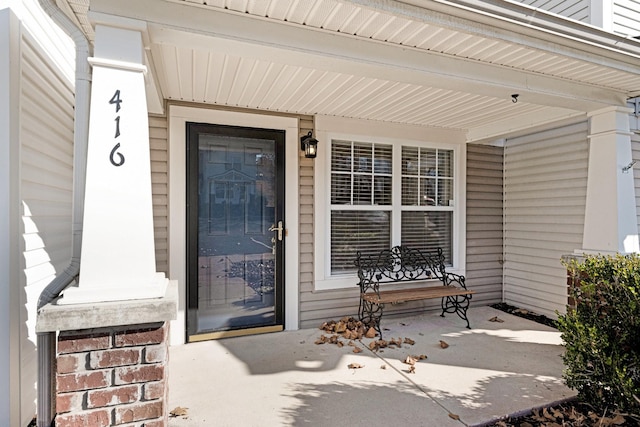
(492,370)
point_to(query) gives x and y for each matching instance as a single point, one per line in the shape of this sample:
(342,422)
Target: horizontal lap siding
(545,197)
(484,222)
(575,9)
(159,187)
(626,17)
(46,181)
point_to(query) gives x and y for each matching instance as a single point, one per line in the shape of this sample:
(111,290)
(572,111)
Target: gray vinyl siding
(159,187)
(545,197)
(574,9)
(626,17)
(484,222)
(46,179)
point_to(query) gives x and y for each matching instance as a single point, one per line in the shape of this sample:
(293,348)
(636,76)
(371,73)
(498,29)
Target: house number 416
(115,99)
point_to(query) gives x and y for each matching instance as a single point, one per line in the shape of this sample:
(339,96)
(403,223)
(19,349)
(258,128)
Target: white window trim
(178,117)
(329,128)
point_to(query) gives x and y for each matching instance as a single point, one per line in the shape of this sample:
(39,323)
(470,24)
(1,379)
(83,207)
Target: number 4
(115,99)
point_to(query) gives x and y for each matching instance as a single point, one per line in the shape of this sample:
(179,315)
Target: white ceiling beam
(522,124)
(242,34)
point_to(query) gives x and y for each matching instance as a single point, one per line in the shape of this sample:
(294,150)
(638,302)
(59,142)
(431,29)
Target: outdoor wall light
(309,145)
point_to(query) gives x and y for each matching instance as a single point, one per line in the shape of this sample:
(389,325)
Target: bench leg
(370,314)
(456,304)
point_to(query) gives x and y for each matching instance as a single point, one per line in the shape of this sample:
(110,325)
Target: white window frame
(330,128)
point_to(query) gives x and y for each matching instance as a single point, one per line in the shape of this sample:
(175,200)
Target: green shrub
(602,332)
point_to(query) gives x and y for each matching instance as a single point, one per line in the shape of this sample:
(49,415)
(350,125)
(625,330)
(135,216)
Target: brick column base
(114,376)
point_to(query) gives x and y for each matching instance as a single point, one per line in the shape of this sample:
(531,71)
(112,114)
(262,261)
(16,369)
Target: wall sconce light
(309,145)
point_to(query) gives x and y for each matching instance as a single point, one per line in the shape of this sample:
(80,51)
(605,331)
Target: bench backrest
(400,263)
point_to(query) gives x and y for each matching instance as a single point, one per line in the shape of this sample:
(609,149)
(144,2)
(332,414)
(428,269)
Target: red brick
(141,336)
(114,357)
(138,374)
(97,418)
(67,402)
(113,396)
(155,353)
(138,412)
(69,343)
(68,363)
(153,391)
(83,381)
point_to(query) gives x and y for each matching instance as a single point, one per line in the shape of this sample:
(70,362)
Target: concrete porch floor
(284,379)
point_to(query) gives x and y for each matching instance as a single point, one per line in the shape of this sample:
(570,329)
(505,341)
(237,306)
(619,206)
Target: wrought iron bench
(403,264)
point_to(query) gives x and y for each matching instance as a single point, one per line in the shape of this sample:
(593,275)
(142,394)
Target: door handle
(279,229)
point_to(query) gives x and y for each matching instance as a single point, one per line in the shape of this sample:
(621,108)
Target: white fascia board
(211,29)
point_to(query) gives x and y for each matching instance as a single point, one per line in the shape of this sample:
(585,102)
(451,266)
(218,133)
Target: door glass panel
(236,250)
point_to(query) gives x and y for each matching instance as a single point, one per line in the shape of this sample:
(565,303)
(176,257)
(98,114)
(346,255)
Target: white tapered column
(611,224)
(118,254)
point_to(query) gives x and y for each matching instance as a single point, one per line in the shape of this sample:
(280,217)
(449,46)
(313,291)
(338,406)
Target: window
(376,203)
(361,190)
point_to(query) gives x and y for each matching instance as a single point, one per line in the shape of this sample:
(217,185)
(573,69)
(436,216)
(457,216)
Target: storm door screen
(235,228)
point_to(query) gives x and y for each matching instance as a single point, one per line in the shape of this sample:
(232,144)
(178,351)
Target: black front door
(235,230)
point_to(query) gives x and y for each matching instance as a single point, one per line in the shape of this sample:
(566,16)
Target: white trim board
(178,117)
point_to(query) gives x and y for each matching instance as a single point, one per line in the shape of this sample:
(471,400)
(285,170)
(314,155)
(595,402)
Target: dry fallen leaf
(410,360)
(371,333)
(409,341)
(178,411)
(383,366)
(496,319)
(454,416)
(618,420)
(443,344)
(357,349)
(412,369)
(355,366)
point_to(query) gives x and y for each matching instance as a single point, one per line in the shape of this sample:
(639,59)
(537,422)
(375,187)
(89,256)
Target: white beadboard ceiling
(238,77)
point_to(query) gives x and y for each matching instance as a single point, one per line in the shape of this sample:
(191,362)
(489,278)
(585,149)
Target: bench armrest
(452,279)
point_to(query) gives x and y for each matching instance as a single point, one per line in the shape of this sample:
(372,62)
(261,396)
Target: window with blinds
(363,214)
(427,199)
(361,197)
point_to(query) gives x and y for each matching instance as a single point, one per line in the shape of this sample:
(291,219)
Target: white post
(610,224)
(118,253)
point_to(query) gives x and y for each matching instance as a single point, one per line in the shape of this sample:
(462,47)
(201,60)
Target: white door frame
(178,117)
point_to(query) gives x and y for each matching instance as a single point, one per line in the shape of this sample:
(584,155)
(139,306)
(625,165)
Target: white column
(11,287)
(118,254)
(610,219)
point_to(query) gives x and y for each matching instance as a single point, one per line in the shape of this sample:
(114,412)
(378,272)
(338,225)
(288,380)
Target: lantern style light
(309,145)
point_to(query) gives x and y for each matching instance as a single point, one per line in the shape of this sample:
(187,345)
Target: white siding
(46,176)
(484,222)
(626,17)
(574,9)
(545,195)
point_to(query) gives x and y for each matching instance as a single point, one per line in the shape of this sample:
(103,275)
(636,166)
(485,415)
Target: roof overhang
(429,63)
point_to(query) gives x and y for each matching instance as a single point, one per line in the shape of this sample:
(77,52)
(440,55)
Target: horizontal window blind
(351,231)
(428,231)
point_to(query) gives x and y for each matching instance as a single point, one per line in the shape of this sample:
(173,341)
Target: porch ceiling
(420,62)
